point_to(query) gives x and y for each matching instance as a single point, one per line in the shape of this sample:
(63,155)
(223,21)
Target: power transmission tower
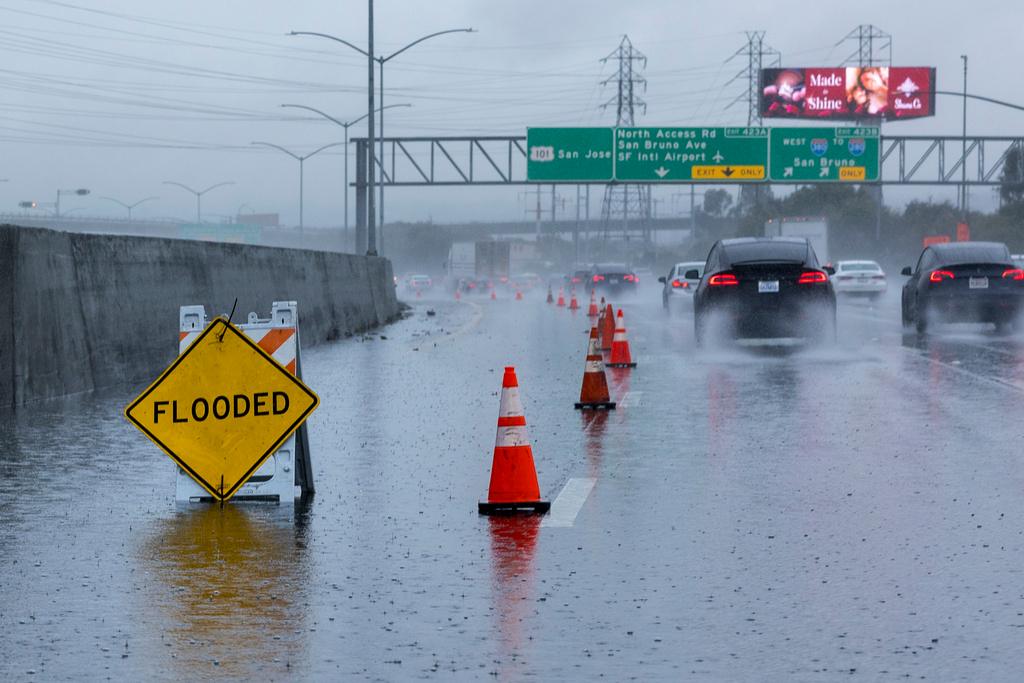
(759,55)
(626,202)
(874,46)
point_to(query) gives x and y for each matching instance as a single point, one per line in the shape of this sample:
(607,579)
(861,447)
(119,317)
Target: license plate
(978,283)
(768,286)
(613,280)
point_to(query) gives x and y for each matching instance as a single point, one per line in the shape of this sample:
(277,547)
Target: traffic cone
(458,295)
(594,394)
(574,305)
(551,299)
(592,309)
(607,328)
(494,295)
(561,298)
(519,295)
(620,346)
(514,485)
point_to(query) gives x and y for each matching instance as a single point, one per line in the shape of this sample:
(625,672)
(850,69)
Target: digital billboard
(855,92)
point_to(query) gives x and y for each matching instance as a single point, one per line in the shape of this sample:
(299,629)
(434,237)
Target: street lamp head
(81,192)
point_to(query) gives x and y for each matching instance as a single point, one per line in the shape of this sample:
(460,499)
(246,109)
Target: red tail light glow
(680,284)
(631,278)
(940,275)
(599,278)
(723,280)
(1013,274)
(812,277)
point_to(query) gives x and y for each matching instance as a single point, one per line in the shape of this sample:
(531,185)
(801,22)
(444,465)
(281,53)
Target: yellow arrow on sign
(727,172)
(222,408)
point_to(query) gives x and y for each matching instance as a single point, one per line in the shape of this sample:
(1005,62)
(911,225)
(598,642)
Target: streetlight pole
(346,126)
(382,61)
(129,206)
(368,53)
(963,152)
(81,192)
(199,194)
(302,161)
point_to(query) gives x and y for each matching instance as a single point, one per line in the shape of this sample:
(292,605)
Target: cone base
(527,507)
(597,405)
(621,365)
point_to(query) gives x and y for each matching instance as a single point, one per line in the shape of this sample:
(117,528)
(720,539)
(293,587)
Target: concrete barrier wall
(80,312)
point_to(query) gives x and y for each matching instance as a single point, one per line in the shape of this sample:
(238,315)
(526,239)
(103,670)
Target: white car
(864,278)
(676,287)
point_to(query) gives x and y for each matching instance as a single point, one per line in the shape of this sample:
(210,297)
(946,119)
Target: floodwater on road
(753,512)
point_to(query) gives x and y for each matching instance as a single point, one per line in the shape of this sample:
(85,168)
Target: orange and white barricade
(287,475)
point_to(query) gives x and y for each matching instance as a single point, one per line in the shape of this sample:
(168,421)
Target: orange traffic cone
(592,309)
(607,328)
(514,485)
(594,393)
(561,298)
(519,295)
(620,346)
(574,305)
(551,299)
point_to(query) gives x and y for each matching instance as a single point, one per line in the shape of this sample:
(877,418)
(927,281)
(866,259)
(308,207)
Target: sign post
(669,154)
(222,408)
(823,155)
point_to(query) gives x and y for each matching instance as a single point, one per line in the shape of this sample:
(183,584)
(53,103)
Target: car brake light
(1013,274)
(723,280)
(629,278)
(599,278)
(680,283)
(940,275)
(812,277)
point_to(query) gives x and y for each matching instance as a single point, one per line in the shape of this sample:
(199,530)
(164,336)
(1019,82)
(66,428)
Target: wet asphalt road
(758,513)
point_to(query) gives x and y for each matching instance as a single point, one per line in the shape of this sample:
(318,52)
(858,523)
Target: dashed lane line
(569,503)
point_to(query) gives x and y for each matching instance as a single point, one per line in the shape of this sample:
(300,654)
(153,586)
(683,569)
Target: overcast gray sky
(120,95)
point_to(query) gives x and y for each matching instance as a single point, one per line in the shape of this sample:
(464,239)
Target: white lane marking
(631,399)
(569,503)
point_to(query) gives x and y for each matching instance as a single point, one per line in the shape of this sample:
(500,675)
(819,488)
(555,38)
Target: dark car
(764,287)
(613,279)
(580,278)
(963,282)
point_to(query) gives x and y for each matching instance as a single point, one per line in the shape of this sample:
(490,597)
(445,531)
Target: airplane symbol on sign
(787,172)
(661,171)
(718,157)
(823,173)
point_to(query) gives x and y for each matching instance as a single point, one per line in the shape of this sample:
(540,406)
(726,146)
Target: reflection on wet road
(756,512)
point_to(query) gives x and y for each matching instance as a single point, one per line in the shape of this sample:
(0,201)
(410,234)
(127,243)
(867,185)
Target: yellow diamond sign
(222,408)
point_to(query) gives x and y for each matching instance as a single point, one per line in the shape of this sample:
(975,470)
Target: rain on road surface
(746,514)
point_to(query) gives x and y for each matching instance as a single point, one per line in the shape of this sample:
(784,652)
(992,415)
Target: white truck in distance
(814,229)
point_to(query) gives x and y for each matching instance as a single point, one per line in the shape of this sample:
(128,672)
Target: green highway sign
(669,154)
(569,155)
(802,155)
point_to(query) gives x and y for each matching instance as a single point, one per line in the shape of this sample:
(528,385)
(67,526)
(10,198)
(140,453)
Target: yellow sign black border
(217,324)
